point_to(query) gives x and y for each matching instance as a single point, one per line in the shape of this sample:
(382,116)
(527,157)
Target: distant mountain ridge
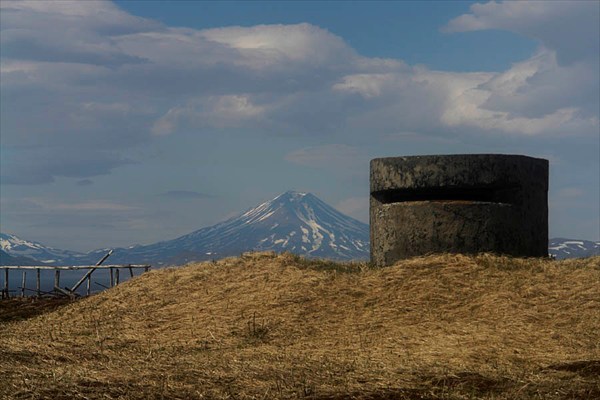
(7,259)
(293,221)
(17,247)
(562,248)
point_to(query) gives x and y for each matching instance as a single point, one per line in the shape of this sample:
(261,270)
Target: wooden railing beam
(114,269)
(74,267)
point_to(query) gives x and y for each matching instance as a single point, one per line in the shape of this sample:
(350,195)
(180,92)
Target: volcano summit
(296,222)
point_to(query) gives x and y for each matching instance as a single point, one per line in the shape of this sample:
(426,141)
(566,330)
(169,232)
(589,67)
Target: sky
(131,122)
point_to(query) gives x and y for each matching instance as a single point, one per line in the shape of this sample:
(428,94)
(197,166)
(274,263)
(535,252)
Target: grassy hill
(267,326)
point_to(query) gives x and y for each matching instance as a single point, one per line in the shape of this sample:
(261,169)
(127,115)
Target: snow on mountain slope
(7,259)
(18,247)
(562,248)
(296,222)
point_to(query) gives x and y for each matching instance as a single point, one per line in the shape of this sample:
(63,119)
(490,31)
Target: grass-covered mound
(262,327)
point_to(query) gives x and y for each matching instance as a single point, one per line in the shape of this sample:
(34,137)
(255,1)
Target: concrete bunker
(458,204)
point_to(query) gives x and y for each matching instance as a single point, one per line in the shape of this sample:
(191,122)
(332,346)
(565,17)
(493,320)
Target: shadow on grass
(590,368)
(19,309)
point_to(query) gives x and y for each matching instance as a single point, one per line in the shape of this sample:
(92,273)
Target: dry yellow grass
(267,326)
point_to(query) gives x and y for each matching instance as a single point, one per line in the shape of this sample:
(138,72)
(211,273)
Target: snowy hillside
(562,248)
(17,247)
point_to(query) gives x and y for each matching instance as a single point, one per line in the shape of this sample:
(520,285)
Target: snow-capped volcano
(17,247)
(300,223)
(293,221)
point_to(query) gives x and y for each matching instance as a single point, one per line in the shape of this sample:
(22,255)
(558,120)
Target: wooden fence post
(117,276)
(23,281)
(89,285)
(5,291)
(38,283)
(56,279)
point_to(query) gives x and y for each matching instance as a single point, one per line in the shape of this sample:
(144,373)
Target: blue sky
(137,121)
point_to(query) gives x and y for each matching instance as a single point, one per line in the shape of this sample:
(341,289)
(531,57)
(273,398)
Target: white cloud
(69,31)
(264,45)
(506,15)
(527,99)
(570,28)
(234,107)
(65,7)
(539,86)
(556,91)
(116,80)
(329,155)
(167,124)
(370,85)
(228,111)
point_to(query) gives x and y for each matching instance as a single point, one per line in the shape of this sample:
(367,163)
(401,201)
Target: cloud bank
(85,82)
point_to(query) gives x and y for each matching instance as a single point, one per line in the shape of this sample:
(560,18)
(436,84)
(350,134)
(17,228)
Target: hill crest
(447,326)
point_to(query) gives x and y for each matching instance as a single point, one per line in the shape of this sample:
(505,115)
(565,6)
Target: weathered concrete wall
(458,204)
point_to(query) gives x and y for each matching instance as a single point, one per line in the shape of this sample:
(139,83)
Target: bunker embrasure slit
(486,194)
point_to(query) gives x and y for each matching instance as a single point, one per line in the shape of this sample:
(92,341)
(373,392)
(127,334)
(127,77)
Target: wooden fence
(115,275)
